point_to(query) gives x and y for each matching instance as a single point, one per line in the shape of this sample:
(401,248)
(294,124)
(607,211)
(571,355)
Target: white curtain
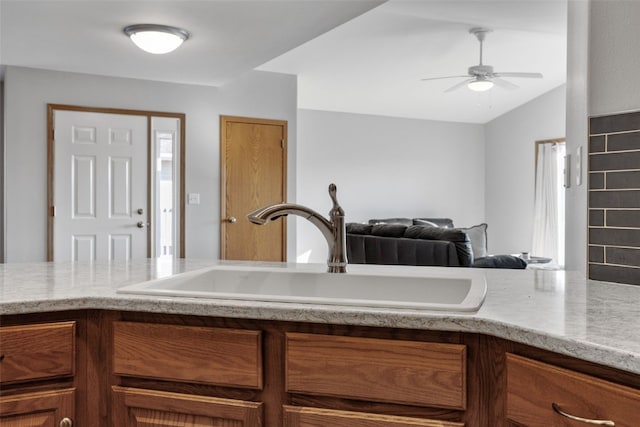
(548,217)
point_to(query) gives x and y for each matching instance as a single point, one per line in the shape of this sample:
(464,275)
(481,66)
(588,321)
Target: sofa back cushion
(363,249)
(403,221)
(455,235)
(437,222)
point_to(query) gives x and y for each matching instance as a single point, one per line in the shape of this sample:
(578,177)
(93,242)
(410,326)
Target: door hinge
(52,211)
(282,144)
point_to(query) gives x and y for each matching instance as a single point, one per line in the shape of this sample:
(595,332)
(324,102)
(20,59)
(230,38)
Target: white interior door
(100,186)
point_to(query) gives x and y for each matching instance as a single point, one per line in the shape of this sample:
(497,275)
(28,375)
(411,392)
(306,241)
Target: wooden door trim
(223,173)
(51,108)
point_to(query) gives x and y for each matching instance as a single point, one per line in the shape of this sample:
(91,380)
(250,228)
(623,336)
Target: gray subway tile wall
(614,198)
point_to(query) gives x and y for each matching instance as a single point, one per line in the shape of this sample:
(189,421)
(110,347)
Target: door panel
(100,180)
(254,164)
(145,408)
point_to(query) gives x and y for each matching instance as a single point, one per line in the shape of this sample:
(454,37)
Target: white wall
(387,167)
(614,57)
(510,171)
(27,91)
(2,240)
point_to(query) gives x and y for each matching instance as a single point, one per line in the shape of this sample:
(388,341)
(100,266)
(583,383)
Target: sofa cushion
(363,249)
(457,236)
(500,261)
(357,228)
(420,221)
(388,230)
(478,236)
(404,221)
(438,222)
(436,233)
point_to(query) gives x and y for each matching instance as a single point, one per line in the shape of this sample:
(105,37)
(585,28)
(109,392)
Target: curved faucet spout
(333,229)
(269,213)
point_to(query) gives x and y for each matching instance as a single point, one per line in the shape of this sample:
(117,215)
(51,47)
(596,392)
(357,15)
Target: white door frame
(51,108)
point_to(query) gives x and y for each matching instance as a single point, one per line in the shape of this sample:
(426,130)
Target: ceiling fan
(482,77)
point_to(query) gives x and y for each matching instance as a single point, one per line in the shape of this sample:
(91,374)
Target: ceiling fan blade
(504,84)
(527,75)
(447,77)
(459,85)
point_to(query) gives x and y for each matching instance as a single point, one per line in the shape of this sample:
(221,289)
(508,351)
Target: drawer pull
(609,423)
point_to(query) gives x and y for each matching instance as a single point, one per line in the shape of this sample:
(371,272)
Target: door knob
(142,224)
(231,219)
(66,422)
(140,211)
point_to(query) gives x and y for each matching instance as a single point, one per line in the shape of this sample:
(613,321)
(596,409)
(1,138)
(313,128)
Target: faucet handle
(337,209)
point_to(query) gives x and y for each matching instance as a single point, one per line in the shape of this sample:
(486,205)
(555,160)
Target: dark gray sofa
(423,242)
(397,244)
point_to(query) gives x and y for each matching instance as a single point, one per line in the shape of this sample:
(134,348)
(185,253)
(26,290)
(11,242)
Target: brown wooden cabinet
(37,367)
(540,395)
(140,407)
(390,371)
(118,369)
(38,409)
(314,417)
(173,353)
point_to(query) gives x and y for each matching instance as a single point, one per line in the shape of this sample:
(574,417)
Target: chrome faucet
(333,229)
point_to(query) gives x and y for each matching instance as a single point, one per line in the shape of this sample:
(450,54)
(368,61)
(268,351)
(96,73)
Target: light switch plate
(193,198)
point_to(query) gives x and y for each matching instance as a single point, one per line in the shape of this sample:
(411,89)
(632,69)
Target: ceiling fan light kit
(480,84)
(156,39)
(481,78)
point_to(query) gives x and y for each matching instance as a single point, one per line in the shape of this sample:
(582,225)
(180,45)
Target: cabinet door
(315,417)
(146,408)
(538,394)
(41,409)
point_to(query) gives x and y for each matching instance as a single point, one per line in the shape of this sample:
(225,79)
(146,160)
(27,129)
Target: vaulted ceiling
(360,56)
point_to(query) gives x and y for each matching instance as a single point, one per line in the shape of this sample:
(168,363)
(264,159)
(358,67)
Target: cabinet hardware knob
(66,422)
(231,219)
(559,410)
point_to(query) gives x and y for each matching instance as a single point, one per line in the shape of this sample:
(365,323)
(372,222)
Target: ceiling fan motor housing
(481,70)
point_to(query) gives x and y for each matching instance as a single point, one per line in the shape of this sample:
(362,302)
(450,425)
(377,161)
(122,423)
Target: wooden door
(39,409)
(253,174)
(150,408)
(100,186)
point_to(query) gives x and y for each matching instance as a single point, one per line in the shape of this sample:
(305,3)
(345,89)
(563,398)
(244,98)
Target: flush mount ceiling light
(480,84)
(156,39)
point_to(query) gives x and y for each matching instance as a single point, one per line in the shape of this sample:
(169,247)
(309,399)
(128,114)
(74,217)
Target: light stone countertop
(553,310)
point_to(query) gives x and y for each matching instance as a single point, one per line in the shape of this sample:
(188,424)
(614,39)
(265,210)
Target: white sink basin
(432,289)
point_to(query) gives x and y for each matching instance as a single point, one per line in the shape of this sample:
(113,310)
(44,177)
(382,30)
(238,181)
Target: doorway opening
(549,201)
(166,185)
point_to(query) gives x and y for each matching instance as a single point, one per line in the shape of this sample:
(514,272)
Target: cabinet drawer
(533,387)
(407,372)
(39,351)
(230,357)
(312,417)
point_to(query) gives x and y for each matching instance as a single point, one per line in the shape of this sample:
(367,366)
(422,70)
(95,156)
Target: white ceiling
(349,55)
